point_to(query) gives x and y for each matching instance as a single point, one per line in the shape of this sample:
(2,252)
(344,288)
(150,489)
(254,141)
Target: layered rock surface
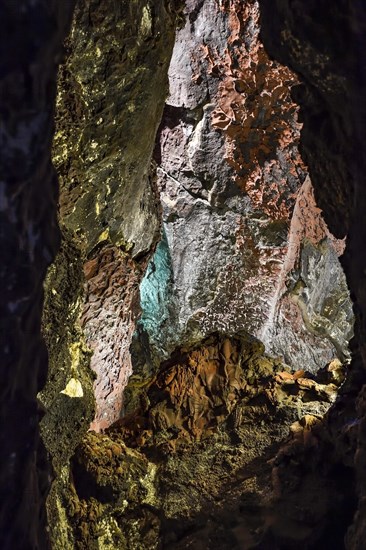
(244,245)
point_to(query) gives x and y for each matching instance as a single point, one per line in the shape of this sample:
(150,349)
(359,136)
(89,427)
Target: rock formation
(196,315)
(195,465)
(111,95)
(246,245)
(244,257)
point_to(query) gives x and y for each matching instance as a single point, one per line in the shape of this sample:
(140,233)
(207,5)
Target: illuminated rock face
(111,92)
(227,183)
(112,89)
(205,461)
(207,464)
(200,390)
(108,321)
(246,244)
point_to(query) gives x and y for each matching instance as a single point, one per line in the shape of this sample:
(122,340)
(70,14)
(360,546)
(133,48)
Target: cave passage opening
(199,282)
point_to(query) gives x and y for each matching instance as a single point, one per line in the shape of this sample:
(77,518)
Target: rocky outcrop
(244,245)
(111,94)
(202,462)
(30,51)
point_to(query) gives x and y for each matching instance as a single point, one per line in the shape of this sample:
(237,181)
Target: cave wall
(220,387)
(112,89)
(227,184)
(30,51)
(244,254)
(324,45)
(244,243)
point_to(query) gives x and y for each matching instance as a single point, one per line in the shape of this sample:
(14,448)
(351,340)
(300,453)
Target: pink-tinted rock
(240,224)
(108,321)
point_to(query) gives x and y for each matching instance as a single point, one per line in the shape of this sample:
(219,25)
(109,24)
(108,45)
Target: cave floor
(181,474)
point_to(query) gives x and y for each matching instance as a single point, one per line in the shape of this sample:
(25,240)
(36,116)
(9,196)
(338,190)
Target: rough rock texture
(112,90)
(68,396)
(330,61)
(115,74)
(197,389)
(244,251)
(244,245)
(200,464)
(207,464)
(312,297)
(30,51)
(113,279)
